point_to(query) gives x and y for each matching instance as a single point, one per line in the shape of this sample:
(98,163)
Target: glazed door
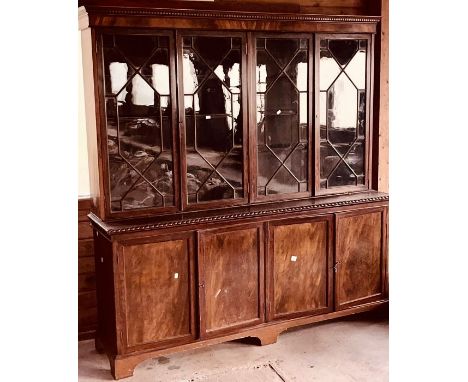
(231,279)
(138,111)
(342,118)
(361,257)
(213,118)
(300,269)
(156,291)
(281,84)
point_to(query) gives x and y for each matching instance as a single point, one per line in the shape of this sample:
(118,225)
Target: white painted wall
(83,172)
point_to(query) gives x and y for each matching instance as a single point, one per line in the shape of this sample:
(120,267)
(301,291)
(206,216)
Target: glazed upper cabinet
(200,119)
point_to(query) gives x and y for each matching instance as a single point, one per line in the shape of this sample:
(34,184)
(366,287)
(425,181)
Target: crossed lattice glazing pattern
(342,112)
(212,72)
(138,114)
(282,115)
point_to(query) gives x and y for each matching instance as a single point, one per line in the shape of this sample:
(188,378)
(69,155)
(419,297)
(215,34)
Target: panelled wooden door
(300,269)
(361,257)
(231,279)
(157,291)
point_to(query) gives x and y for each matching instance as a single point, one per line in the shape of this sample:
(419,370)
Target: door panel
(231,274)
(213,108)
(300,263)
(342,103)
(282,90)
(138,82)
(158,280)
(360,257)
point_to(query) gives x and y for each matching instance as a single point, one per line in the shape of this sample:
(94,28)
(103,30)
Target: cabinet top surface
(236,213)
(249,10)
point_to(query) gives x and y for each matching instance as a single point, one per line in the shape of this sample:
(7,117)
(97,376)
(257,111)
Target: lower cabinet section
(300,267)
(231,279)
(177,289)
(361,257)
(157,287)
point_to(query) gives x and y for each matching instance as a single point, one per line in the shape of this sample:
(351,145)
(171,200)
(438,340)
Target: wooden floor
(350,349)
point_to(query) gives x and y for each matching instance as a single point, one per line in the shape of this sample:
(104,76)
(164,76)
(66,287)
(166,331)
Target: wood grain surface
(300,258)
(359,257)
(157,291)
(231,262)
(87,306)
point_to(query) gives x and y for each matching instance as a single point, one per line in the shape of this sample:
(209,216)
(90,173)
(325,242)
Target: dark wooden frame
(120,290)
(369,119)
(271,315)
(102,124)
(204,334)
(181,115)
(383,256)
(252,58)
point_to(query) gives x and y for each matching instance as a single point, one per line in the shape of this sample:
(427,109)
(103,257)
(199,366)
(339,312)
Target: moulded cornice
(247,16)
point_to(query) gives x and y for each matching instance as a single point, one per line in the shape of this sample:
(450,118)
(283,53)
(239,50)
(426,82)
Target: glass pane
(343,50)
(342,176)
(283,50)
(362,113)
(329,69)
(122,177)
(297,70)
(342,114)
(137,49)
(213,118)
(142,196)
(323,115)
(282,183)
(267,165)
(355,158)
(342,105)
(212,49)
(356,70)
(281,122)
(343,71)
(267,70)
(297,163)
(329,158)
(117,73)
(195,71)
(138,115)
(215,188)
(282,115)
(231,169)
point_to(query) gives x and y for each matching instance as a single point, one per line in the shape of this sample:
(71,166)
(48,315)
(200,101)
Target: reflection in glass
(282,115)
(136,75)
(343,50)
(356,70)
(213,118)
(342,71)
